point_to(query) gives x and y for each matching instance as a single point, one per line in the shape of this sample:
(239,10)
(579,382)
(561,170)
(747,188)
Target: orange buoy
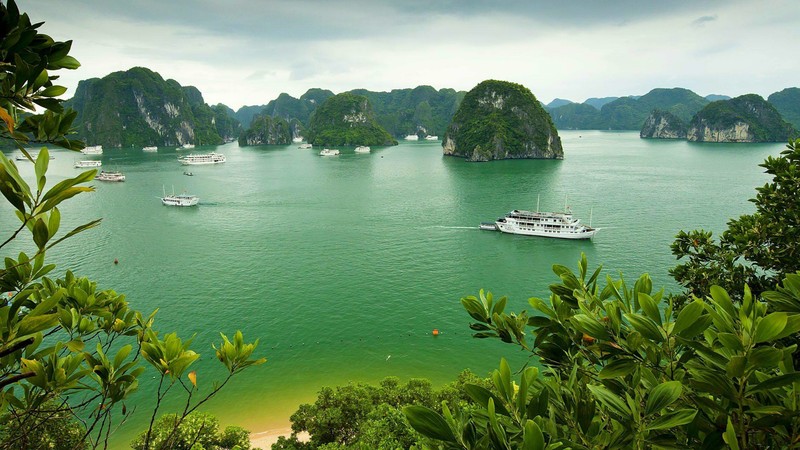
(435,332)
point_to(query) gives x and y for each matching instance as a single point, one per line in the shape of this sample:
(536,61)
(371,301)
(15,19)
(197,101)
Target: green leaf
(729,436)
(481,396)
(645,326)
(650,308)
(770,327)
(736,366)
(688,315)
(672,420)
(590,326)
(662,396)
(429,423)
(40,233)
(617,368)
(34,324)
(776,382)
(721,298)
(53,91)
(533,439)
(40,168)
(730,341)
(610,401)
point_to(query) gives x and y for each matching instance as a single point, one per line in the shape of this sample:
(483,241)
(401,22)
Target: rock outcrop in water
(346,119)
(663,125)
(502,120)
(267,130)
(747,118)
(138,108)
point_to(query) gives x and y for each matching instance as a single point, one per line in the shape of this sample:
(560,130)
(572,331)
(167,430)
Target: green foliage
(787,102)
(66,347)
(410,111)
(758,249)
(138,107)
(266,129)
(500,120)
(623,370)
(197,430)
(627,113)
(346,119)
(360,415)
(764,122)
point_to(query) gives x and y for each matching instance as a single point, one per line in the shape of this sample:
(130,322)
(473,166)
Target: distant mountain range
(138,107)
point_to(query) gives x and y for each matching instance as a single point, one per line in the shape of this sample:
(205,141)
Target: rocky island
(138,107)
(346,119)
(662,124)
(747,118)
(502,120)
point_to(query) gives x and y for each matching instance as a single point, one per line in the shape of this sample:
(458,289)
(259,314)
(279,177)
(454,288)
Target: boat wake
(453,228)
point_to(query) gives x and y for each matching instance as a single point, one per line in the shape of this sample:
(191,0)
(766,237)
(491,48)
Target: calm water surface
(342,266)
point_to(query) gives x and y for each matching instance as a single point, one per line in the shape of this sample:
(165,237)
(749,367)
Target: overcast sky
(246,52)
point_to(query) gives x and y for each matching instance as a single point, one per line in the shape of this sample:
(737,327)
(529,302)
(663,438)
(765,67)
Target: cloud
(701,21)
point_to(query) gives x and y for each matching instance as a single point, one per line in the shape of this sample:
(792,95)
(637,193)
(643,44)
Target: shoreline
(265,439)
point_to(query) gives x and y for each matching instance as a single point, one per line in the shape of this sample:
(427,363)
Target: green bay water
(342,266)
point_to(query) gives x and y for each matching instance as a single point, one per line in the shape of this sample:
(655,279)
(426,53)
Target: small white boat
(188,174)
(179,200)
(87,163)
(329,152)
(362,149)
(208,158)
(93,150)
(412,137)
(297,140)
(431,138)
(109,176)
(150,148)
(306,146)
(33,155)
(186,147)
(488,226)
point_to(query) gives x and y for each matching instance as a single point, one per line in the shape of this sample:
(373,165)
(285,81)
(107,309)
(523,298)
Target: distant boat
(412,137)
(362,149)
(329,152)
(297,140)
(208,158)
(179,200)
(186,147)
(33,155)
(150,148)
(431,138)
(188,174)
(109,176)
(93,150)
(306,146)
(87,163)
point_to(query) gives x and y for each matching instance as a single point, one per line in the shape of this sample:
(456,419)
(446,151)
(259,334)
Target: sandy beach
(265,439)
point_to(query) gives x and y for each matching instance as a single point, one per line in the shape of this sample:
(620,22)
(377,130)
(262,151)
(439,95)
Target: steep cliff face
(138,107)
(663,125)
(346,119)
(501,120)
(747,118)
(267,130)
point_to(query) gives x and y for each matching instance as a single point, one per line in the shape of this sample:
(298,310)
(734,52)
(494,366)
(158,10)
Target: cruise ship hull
(505,227)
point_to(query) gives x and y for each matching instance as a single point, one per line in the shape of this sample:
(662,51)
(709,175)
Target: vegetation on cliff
(422,110)
(267,130)
(501,120)
(663,125)
(787,102)
(138,108)
(747,118)
(346,119)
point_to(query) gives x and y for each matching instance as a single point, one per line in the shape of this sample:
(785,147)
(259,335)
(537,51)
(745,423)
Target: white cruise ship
(150,148)
(306,146)
(208,158)
(362,149)
(179,199)
(87,163)
(412,137)
(93,150)
(545,224)
(329,152)
(109,176)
